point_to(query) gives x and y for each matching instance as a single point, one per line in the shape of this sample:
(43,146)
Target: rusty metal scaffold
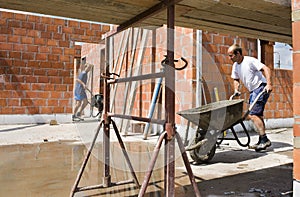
(168,136)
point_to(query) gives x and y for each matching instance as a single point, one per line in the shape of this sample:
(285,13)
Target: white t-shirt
(248,71)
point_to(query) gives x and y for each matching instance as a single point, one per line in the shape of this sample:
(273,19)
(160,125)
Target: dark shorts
(259,107)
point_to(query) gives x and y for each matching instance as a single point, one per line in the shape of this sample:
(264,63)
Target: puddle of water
(50,169)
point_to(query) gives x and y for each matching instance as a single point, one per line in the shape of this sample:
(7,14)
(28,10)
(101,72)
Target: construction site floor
(44,160)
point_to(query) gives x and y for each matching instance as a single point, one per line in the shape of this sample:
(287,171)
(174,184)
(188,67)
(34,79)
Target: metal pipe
(79,175)
(170,103)
(138,78)
(152,107)
(125,154)
(151,166)
(128,117)
(106,132)
(187,165)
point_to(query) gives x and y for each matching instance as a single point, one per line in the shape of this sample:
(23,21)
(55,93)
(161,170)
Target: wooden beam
(146,14)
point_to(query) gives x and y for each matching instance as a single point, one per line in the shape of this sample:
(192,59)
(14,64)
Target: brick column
(267,51)
(296,93)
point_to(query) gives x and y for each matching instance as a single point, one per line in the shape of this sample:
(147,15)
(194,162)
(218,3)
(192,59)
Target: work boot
(254,146)
(263,145)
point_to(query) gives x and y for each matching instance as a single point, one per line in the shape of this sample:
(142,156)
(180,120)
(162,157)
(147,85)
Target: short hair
(87,65)
(236,48)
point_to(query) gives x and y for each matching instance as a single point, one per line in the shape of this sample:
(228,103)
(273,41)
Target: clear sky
(284,52)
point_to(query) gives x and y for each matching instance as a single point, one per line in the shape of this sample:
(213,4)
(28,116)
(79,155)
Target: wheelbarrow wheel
(198,158)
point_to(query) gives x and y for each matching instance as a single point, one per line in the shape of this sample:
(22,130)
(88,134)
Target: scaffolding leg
(167,159)
(125,154)
(79,175)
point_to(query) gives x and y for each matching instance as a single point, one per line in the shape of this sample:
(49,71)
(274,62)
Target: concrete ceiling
(264,19)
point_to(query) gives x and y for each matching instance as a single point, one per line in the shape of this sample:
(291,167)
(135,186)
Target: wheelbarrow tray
(215,116)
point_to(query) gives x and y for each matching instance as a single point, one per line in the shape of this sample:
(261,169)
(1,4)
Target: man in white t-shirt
(248,70)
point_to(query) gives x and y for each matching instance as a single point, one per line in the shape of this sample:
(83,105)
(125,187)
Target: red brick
(23,86)
(64,44)
(19,31)
(52,43)
(19,47)
(40,26)
(39,41)
(53,57)
(57,95)
(27,25)
(57,21)
(296,156)
(3,102)
(296,128)
(55,80)
(52,102)
(56,50)
(32,48)
(58,36)
(27,56)
(73,23)
(32,33)
(49,87)
(47,20)
(15,55)
(34,18)
(39,102)
(7,14)
(19,110)
(30,79)
(45,95)
(296,100)
(6,46)
(58,109)
(26,102)
(84,25)
(6,30)
(14,23)
(13,38)
(43,79)
(105,28)
(37,87)
(46,110)
(13,102)
(67,30)
(65,58)
(296,36)
(21,17)
(33,110)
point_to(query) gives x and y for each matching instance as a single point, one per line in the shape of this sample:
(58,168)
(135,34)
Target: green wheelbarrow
(213,120)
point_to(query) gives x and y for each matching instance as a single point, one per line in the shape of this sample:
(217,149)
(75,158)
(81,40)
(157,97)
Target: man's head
(88,67)
(235,53)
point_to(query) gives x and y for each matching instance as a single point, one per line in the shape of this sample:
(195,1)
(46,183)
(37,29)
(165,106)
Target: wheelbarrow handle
(234,95)
(256,99)
(254,102)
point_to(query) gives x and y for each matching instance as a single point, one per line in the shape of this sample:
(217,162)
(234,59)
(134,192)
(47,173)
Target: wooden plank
(124,48)
(138,65)
(127,85)
(227,29)
(266,19)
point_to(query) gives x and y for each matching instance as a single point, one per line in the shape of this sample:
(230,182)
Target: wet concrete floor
(50,169)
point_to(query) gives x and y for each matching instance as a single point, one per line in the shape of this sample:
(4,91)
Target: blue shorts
(80,97)
(259,107)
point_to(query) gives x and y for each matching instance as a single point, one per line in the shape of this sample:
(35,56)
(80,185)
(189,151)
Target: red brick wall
(216,68)
(37,61)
